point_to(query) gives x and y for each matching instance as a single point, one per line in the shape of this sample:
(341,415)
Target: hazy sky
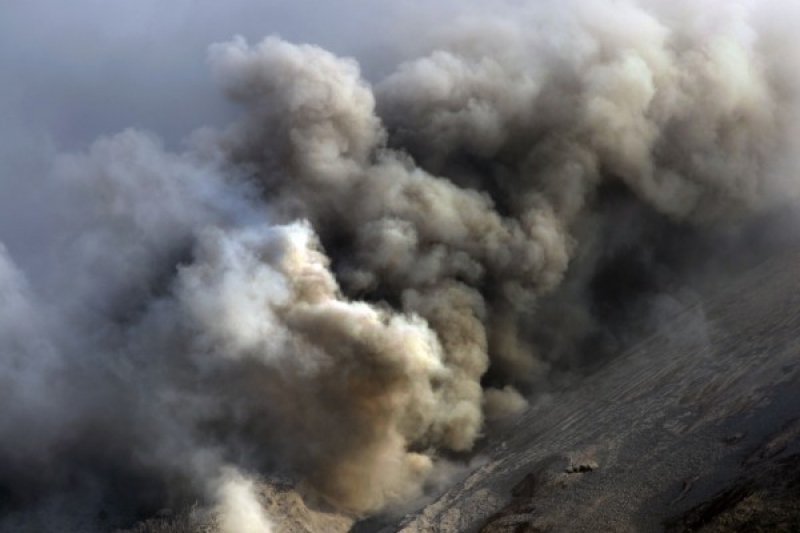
(74,71)
(77,69)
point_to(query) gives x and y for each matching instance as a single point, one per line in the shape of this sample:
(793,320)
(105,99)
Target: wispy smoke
(345,283)
(238,509)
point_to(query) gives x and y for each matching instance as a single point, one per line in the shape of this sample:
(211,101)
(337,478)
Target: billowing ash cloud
(344,284)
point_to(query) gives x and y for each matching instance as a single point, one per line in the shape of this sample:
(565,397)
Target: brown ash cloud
(343,285)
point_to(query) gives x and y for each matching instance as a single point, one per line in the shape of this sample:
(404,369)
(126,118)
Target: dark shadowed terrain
(695,429)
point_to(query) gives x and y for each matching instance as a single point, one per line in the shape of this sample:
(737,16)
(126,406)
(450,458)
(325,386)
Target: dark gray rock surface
(697,427)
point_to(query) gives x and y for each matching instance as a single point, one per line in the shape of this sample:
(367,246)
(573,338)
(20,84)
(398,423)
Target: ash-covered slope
(697,427)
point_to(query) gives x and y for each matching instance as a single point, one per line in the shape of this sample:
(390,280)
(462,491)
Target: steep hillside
(698,427)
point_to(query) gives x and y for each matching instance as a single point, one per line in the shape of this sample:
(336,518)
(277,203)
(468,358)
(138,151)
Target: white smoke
(238,508)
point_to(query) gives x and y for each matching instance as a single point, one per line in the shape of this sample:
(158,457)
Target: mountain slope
(698,426)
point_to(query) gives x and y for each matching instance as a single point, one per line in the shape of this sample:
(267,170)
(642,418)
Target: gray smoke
(345,284)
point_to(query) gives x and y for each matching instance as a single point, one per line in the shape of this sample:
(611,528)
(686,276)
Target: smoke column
(344,284)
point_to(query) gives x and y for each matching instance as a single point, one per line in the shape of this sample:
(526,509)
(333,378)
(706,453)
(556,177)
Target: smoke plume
(344,284)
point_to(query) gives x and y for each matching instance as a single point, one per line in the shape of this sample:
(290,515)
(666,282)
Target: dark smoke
(344,285)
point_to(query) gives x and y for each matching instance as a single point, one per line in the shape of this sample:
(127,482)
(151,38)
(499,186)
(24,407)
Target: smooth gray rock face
(697,427)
